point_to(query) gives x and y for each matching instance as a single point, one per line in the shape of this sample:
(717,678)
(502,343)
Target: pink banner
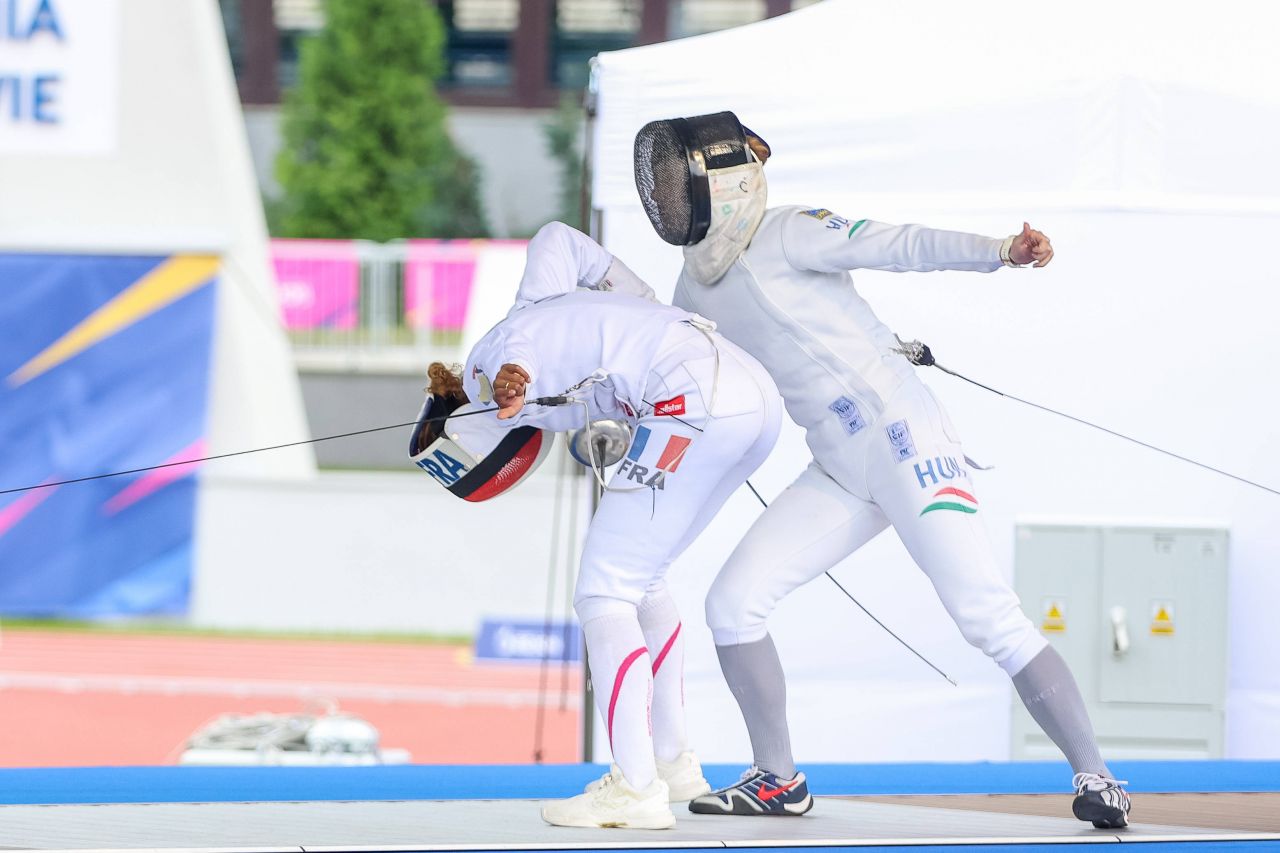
(318,282)
(437,283)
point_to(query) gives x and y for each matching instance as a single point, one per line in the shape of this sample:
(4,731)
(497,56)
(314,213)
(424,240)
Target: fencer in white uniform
(705,415)
(885,453)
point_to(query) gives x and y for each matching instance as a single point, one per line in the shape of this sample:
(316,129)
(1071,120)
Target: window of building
(584,28)
(234,26)
(695,17)
(479,42)
(296,20)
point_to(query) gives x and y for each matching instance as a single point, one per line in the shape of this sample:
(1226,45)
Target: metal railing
(355,295)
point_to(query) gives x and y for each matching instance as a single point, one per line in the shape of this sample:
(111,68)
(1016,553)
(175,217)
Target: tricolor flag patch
(673,453)
(669,459)
(954,499)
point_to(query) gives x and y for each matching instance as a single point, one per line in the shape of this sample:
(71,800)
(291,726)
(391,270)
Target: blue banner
(104,366)
(513,640)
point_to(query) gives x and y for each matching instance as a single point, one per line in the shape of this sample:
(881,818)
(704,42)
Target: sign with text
(528,640)
(59,73)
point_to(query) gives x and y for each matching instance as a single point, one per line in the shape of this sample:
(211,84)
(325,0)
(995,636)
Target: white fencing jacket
(562,330)
(790,302)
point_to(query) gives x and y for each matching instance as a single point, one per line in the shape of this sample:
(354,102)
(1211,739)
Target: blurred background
(244,224)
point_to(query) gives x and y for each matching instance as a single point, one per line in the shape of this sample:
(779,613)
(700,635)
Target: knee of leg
(593,606)
(1010,641)
(735,617)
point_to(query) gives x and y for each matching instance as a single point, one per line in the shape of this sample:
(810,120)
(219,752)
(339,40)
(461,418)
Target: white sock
(660,622)
(622,677)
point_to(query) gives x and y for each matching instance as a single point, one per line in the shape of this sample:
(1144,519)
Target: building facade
(510,64)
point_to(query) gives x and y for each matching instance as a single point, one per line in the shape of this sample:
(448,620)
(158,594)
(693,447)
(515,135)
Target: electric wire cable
(145,468)
(920,355)
(916,352)
(539,722)
(571,560)
(870,615)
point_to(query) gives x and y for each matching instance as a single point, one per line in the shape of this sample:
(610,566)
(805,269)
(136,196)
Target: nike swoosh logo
(767,793)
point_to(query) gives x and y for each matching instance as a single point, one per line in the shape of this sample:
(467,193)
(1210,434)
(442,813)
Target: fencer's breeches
(905,469)
(683,463)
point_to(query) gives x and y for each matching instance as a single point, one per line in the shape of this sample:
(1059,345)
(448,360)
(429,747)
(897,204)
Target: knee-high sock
(622,677)
(755,677)
(660,622)
(1050,693)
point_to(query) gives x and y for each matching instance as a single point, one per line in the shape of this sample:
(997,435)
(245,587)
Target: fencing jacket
(790,302)
(561,333)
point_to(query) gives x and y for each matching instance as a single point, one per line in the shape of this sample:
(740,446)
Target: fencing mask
(475,457)
(701,187)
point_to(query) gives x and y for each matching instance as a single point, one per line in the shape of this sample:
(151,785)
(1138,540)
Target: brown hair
(759,146)
(444,381)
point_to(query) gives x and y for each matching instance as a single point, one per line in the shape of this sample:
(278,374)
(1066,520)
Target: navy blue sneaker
(757,793)
(1101,801)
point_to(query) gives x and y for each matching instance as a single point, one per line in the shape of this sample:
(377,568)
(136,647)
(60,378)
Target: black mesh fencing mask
(672,159)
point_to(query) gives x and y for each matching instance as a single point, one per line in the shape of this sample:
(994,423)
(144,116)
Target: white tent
(1141,137)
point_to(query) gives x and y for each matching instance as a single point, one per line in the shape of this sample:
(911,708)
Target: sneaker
(683,777)
(614,804)
(1100,800)
(757,793)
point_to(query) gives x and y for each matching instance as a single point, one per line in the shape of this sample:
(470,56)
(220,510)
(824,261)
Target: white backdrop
(1142,140)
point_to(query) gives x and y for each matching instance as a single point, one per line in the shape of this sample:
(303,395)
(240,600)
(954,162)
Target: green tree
(366,151)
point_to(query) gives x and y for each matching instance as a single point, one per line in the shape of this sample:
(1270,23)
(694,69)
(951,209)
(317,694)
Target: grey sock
(1050,693)
(755,677)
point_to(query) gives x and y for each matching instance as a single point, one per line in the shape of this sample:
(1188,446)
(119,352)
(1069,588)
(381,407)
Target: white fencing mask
(474,456)
(701,187)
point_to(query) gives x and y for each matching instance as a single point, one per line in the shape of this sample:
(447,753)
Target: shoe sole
(1102,817)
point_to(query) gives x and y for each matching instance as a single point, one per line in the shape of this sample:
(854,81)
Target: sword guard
(915,352)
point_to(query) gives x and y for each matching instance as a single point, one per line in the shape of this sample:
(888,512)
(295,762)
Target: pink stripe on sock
(671,641)
(617,686)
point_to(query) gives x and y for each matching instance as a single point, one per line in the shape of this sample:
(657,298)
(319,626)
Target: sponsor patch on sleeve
(900,441)
(847,411)
(828,219)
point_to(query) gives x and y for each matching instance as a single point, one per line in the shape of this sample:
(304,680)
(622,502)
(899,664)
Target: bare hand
(508,390)
(1031,245)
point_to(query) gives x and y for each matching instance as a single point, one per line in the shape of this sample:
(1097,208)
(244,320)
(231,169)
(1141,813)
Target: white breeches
(919,483)
(678,472)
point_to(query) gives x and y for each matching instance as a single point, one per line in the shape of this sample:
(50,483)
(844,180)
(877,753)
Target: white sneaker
(683,777)
(614,804)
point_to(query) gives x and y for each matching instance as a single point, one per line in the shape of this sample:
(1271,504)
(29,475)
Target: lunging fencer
(705,415)
(885,453)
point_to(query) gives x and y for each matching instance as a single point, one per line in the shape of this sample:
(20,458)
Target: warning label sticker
(1162,618)
(1054,612)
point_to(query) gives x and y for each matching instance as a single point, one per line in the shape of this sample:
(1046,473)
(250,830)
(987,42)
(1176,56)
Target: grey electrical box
(1139,612)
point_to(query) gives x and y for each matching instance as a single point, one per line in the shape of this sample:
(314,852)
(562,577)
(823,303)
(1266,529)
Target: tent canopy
(1095,104)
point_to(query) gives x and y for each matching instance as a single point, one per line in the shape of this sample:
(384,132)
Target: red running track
(82,699)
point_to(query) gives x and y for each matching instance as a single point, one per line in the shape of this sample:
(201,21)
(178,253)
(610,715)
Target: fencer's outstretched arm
(822,241)
(562,258)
